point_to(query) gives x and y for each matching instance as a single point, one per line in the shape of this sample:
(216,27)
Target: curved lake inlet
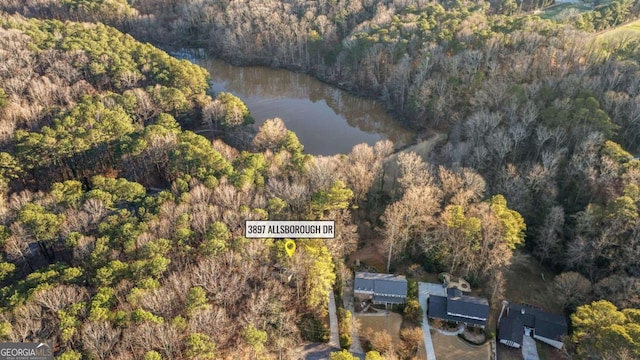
(327,120)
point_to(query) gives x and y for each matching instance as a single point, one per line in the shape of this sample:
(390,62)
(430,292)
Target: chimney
(504,304)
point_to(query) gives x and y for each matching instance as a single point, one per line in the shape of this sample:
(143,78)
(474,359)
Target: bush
(345,341)
(412,289)
(344,320)
(413,311)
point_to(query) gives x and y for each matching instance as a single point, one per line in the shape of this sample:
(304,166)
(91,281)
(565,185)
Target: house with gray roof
(384,289)
(516,320)
(459,308)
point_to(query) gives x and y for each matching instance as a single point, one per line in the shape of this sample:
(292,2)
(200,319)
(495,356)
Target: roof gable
(545,324)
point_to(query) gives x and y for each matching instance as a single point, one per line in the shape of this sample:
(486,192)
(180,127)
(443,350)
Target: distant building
(517,320)
(384,289)
(459,308)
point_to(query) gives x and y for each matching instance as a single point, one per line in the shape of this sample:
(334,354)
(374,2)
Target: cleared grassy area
(552,12)
(529,282)
(631,30)
(452,348)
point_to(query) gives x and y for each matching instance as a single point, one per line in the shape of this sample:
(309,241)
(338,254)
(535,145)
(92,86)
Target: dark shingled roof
(388,299)
(437,308)
(550,326)
(516,317)
(513,329)
(382,284)
(467,305)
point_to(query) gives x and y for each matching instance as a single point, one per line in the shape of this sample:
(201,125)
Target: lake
(327,120)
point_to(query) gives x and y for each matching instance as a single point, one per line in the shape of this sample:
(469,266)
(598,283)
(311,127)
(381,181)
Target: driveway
(334,338)
(529,349)
(424,290)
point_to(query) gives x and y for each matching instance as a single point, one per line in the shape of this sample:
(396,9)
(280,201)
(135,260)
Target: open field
(452,348)
(630,30)
(552,12)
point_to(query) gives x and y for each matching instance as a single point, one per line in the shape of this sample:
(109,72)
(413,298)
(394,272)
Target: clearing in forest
(631,30)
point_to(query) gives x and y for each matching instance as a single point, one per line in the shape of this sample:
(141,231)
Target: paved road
(529,349)
(334,338)
(423,294)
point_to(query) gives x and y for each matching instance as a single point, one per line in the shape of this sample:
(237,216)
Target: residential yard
(376,323)
(452,348)
(509,353)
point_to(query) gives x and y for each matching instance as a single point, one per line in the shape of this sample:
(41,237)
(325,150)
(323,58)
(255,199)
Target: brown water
(327,120)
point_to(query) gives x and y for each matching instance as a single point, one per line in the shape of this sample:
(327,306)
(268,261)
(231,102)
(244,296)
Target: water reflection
(326,119)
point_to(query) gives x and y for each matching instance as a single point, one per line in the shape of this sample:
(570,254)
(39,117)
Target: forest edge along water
(326,119)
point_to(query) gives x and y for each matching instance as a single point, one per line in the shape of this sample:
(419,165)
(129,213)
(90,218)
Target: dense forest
(121,224)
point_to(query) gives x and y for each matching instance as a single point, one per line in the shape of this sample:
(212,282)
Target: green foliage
(250,170)
(5,330)
(623,210)
(68,193)
(600,326)
(320,277)
(412,289)
(152,355)
(616,152)
(112,273)
(6,270)
(10,168)
(585,112)
(70,320)
(69,355)
(345,325)
(196,299)
(4,99)
(44,225)
(413,311)
(254,337)
(120,190)
(216,240)
(275,205)
(140,315)
(88,125)
(194,156)
(342,355)
(100,304)
(373,355)
(236,112)
(200,346)
(513,226)
(471,227)
(4,235)
(337,197)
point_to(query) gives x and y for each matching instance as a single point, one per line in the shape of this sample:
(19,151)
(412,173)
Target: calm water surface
(327,120)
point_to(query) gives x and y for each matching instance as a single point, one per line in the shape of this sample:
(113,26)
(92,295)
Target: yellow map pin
(290,247)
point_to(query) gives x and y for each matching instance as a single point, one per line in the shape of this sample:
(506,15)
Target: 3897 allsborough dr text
(324,229)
